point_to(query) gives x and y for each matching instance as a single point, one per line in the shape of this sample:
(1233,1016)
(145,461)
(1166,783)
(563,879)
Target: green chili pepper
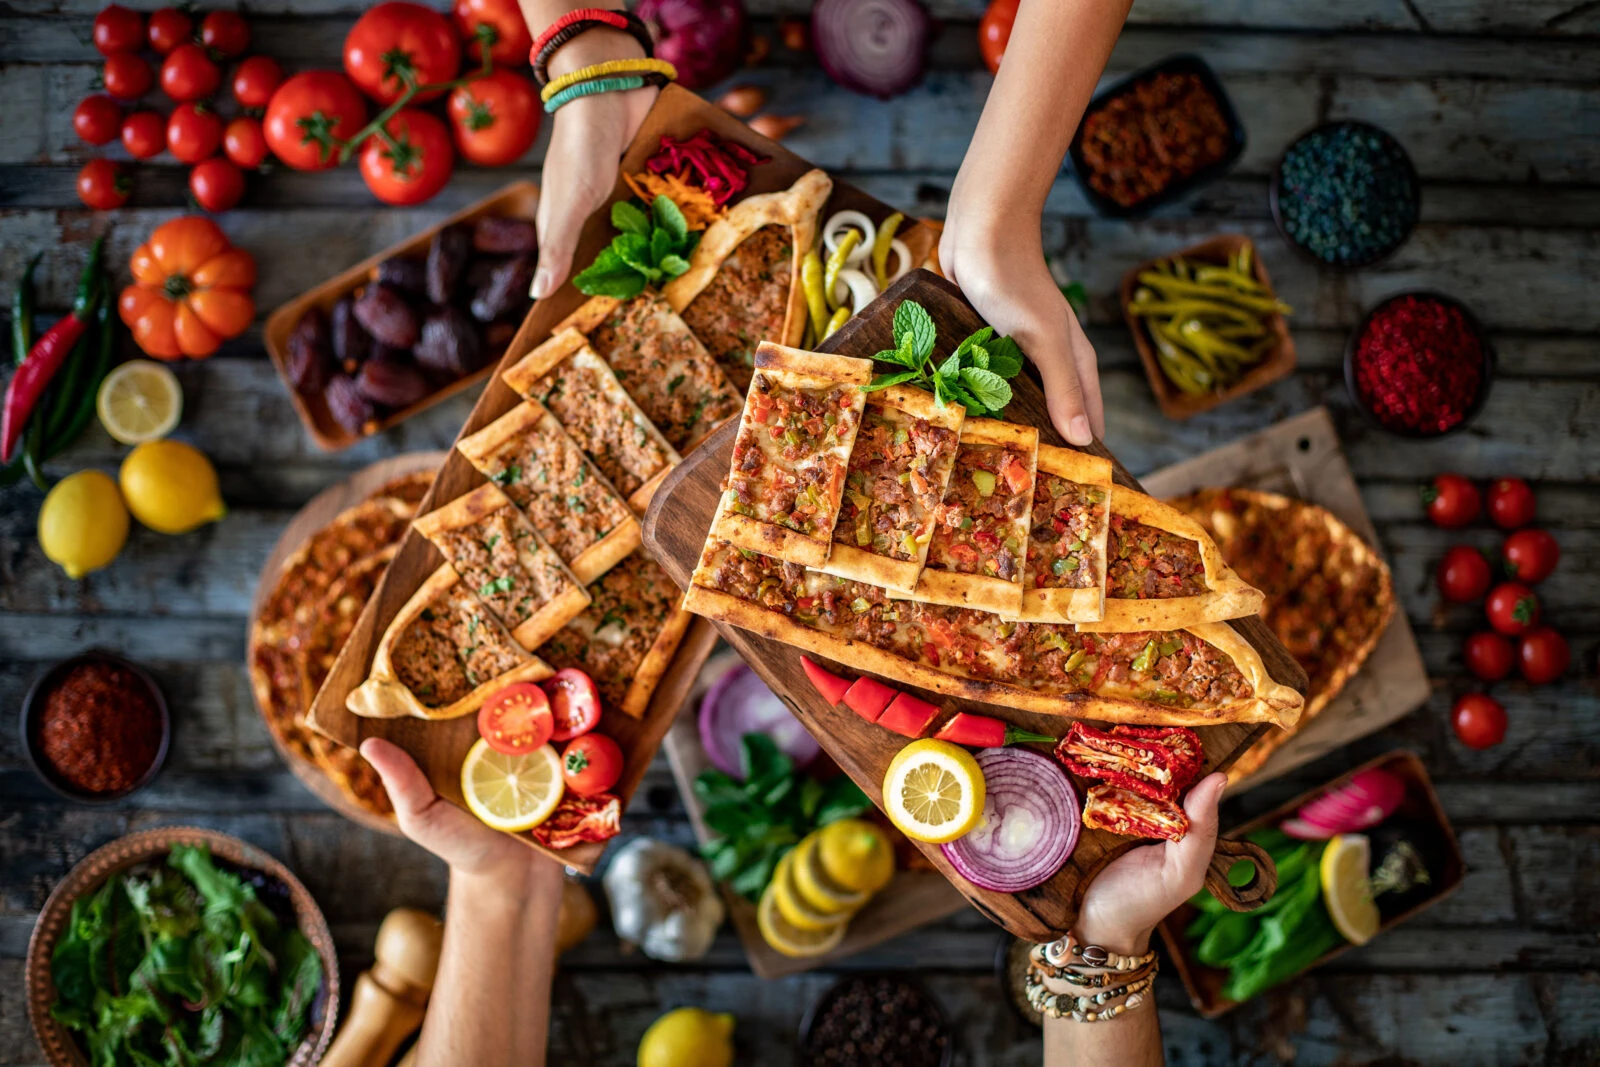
(1146,657)
(22,313)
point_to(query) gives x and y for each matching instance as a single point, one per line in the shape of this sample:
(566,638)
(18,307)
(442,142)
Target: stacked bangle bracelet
(615,75)
(1103,984)
(608,69)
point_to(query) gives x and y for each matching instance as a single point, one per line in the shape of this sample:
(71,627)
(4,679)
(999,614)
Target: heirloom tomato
(1451,501)
(495,118)
(397,44)
(500,22)
(412,163)
(190,291)
(310,114)
(1510,503)
(255,79)
(1479,720)
(1512,608)
(118,29)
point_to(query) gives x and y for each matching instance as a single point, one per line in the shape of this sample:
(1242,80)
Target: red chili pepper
(47,356)
(980,731)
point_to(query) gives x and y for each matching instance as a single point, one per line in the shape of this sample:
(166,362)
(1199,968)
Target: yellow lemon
(83,523)
(1347,887)
(794,907)
(855,855)
(688,1037)
(933,791)
(788,938)
(171,487)
(511,793)
(816,888)
(139,401)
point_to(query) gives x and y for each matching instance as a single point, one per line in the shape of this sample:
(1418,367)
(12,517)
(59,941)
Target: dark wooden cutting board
(675,530)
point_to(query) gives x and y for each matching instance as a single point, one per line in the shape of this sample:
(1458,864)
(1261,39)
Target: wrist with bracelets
(1101,984)
(615,75)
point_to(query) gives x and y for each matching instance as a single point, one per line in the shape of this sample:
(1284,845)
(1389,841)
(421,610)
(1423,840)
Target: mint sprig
(974,375)
(650,246)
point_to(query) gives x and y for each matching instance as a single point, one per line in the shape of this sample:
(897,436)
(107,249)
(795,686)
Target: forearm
(594,46)
(1132,1039)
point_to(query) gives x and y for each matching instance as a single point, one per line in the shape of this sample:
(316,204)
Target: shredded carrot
(699,210)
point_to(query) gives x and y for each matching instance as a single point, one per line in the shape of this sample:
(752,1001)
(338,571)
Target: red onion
(1029,825)
(704,39)
(739,704)
(1364,801)
(877,47)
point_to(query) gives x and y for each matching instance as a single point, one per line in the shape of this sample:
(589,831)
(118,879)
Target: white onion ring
(860,288)
(902,257)
(834,228)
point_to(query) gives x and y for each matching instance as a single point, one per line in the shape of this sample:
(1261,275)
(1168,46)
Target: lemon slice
(511,793)
(794,907)
(139,401)
(933,791)
(789,939)
(856,855)
(1347,887)
(816,888)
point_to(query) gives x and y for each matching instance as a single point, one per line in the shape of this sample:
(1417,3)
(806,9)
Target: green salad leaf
(652,244)
(973,375)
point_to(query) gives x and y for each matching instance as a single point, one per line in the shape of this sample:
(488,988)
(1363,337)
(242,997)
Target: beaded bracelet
(605,70)
(1074,977)
(575,23)
(602,85)
(1068,950)
(1086,1009)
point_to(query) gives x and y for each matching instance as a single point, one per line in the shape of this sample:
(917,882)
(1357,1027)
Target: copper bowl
(60,1047)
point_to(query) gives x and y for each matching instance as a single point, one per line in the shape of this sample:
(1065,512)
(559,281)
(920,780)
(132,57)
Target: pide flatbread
(743,282)
(575,509)
(1065,577)
(502,559)
(1164,572)
(627,636)
(580,390)
(660,363)
(442,656)
(899,469)
(335,618)
(781,496)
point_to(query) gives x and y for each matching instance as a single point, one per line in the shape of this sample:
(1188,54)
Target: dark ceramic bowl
(33,713)
(814,1012)
(1489,362)
(1382,254)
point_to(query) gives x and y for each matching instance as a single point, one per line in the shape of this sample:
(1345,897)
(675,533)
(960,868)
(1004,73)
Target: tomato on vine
(398,44)
(500,23)
(495,118)
(310,116)
(410,160)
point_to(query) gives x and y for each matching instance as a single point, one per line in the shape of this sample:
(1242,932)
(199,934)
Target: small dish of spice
(1345,194)
(95,728)
(876,1021)
(1419,365)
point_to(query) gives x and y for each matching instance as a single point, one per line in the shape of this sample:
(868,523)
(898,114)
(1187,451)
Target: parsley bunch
(651,245)
(974,375)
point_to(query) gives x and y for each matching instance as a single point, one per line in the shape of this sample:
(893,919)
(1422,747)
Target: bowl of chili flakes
(95,728)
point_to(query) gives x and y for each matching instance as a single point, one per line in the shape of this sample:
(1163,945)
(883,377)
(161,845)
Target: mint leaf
(1005,358)
(950,370)
(904,356)
(630,219)
(883,381)
(975,339)
(608,275)
(634,250)
(986,387)
(978,356)
(911,317)
(669,218)
(661,246)
(672,265)
(959,393)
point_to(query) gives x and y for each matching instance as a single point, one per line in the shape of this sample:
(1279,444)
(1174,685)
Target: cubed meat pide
(575,509)
(742,286)
(442,656)
(580,390)
(504,562)
(1064,580)
(1198,676)
(1164,572)
(799,424)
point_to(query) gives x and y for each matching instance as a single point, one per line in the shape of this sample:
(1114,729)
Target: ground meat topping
(1144,563)
(745,302)
(607,428)
(629,605)
(894,483)
(983,522)
(787,466)
(1061,553)
(502,560)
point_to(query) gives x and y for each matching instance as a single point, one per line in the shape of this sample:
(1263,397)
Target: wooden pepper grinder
(388,1002)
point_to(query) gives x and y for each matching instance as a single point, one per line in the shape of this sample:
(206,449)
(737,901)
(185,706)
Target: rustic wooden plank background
(1500,108)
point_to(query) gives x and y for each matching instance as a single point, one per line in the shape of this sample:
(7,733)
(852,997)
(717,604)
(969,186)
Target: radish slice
(1029,825)
(740,703)
(1363,802)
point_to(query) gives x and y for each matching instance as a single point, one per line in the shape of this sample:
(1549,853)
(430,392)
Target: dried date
(450,343)
(309,359)
(393,384)
(349,408)
(409,275)
(448,253)
(505,294)
(496,236)
(351,344)
(384,313)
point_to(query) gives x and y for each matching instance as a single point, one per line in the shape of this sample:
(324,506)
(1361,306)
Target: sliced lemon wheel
(511,793)
(789,939)
(1347,887)
(816,888)
(139,401)
(933,791)
(856,855)
(795,908)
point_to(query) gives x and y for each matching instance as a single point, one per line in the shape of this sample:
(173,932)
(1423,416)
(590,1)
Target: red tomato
(217,184)
(516,719)
(1543,654)
(1479,721)
(97,120)
(499,22)
(1489,655)
(225,32)
(591,764)
(994,31)
(1530,555)
(188,73)
(144,134)
(255,79)
(1512,608)
(308,113)
(415,166)
(1463,574)
(574,701)
(1451,501)
(102,185)
(118,29)
(244,143)
(1510,503)
(495,118)
(127,76)
(169,28)
(398,43)
(193,133)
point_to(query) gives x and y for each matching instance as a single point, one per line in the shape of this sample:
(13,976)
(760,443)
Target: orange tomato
(191,290)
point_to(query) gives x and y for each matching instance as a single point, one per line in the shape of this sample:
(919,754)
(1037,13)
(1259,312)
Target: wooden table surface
(1499,107)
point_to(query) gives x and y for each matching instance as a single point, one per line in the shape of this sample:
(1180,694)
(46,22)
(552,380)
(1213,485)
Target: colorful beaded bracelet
(576,23)
(1086,1009)
(611,67)
(601,85)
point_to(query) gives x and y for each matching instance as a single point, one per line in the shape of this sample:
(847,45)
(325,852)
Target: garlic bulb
(662,900)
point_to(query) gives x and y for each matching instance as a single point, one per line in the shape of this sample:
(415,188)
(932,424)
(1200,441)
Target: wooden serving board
(1301,457)
(675,530)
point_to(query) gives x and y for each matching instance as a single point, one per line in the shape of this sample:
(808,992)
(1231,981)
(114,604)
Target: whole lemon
(688,1037)
(83,523)
(171,487)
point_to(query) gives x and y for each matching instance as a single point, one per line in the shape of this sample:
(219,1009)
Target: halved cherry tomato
(244,143)
(102,185)
(1510,503)
(144,134)
(255,80)
(1489,655)
(1479,720)
(1512,608)
(591,764)
(169,28)
(225,32)
(574,702)
(1463,574)
(217,184)
(1451,501)
(98,119)
(193,133)
(189,74)
(1530,555)
(127,76)
(516,719)
(119,29)
(500,22)
(1544,655)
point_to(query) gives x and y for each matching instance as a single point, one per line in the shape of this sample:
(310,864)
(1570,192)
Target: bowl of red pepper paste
(1419,365)
(95,728)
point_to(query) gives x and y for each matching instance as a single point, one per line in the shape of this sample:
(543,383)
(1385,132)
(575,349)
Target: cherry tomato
(1451,501)
(994,31)
(188,73)
(169,28)
(1530,555)
(1512,608)
(495,118)
(1543,655)
(97,120)
(415,166)
(1510,503)
(308,113)
(500,22)
(516,719)
(574,701)
(225,32)
(118,29)
(591,764)
(255,79)
(1463,574)
(244,143)
(144,134)
(102,185)
(127,76)
(1489,655)
(398,42)
(217,184)
(193,133)
(1479,720)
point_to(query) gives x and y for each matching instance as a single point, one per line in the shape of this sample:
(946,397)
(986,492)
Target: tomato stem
(411,91)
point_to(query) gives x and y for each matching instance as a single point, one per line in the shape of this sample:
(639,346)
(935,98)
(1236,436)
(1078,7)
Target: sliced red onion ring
(1029,826)
(740,703)
(877,47)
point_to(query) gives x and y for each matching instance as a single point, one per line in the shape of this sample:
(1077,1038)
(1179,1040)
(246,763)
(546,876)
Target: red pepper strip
(47,356)
(981,731)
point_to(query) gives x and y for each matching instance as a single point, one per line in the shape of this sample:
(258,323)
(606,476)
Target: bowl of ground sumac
(95,727)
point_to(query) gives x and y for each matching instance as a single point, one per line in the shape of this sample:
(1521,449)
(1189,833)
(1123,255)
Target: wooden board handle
(1254,893)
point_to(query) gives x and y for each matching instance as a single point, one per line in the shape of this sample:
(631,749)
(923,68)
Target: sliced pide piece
(899,470)
(1164,572)
(781,496)
(627,636)
(1065,578)
(579,389)
(503,560)
(575,509)
(335,617)
(442,656)
(660,363)
(743,282)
